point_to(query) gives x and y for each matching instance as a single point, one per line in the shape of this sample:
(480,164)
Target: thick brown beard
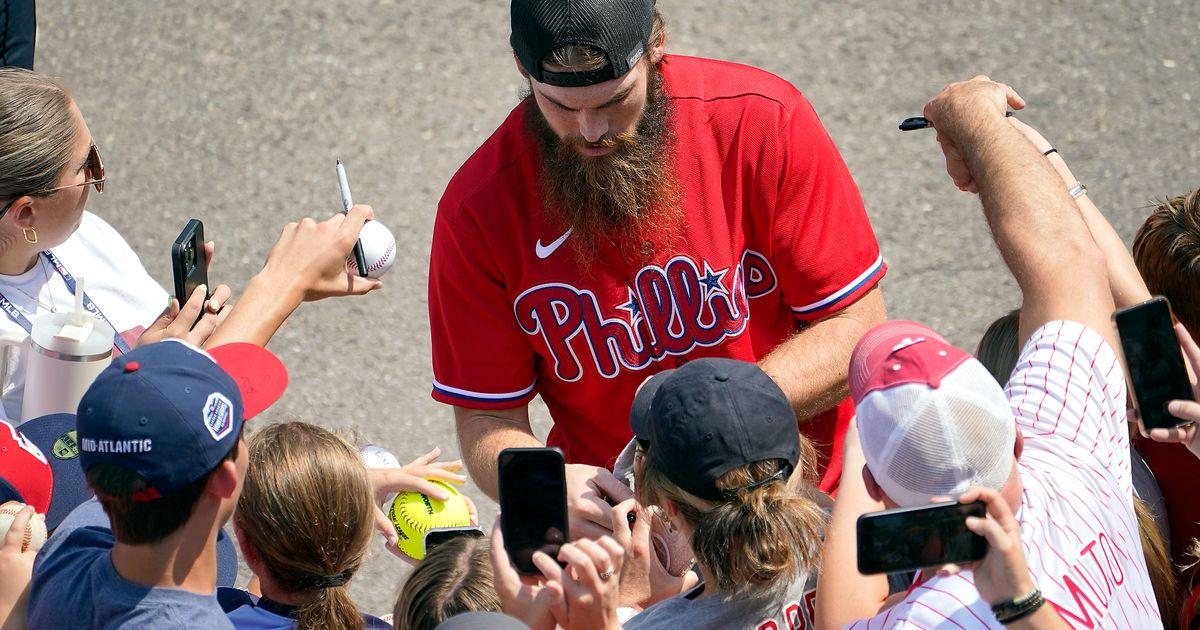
(628,197)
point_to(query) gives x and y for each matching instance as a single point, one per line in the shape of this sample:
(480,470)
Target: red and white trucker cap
(932,420)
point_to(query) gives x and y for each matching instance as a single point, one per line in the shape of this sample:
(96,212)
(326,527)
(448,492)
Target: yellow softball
(414,513)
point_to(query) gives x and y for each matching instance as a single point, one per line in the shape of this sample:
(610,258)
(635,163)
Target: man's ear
(873,489)
(1018,445)
(223,483)
(657,49)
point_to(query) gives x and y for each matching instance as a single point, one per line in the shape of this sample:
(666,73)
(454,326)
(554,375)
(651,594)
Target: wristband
(1047,152)
(1078,190)
(1018,608)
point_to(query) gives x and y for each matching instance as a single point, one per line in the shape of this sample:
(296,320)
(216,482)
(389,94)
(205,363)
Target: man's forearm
(810,367)
(481,437)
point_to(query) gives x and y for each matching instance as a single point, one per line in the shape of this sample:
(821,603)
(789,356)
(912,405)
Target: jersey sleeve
(823,248)
(481,358)
(1068,395)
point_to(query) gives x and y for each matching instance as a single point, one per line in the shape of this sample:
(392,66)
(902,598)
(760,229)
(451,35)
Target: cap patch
(66,446)
(218,415)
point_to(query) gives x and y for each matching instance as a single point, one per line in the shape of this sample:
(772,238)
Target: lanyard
(17,316)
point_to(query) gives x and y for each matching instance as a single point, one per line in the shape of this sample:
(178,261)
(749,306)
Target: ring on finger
(607,574)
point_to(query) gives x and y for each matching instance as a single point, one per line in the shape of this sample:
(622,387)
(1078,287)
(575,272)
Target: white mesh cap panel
(921,442)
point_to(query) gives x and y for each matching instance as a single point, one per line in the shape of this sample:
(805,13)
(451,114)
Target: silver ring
(607,574)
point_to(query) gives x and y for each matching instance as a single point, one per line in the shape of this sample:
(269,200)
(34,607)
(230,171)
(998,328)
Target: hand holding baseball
(17,551)
(310,257)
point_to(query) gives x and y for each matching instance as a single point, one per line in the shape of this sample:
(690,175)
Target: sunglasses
(94,167)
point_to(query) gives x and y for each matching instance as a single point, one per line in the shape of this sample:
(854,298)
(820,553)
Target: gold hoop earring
(31,240)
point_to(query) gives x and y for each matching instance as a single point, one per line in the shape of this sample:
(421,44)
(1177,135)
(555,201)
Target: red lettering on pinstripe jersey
(769,625)
(1114,563)
(1080,599)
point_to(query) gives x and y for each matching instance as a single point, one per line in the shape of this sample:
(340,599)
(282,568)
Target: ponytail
(331,608)
(761,537)
(307,509)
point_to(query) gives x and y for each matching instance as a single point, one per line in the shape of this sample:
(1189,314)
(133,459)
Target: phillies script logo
(669,311)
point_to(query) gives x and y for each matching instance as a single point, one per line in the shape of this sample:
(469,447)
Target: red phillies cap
(25,474)
(932,420)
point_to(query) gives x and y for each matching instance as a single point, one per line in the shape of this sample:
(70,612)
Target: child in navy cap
(160,441)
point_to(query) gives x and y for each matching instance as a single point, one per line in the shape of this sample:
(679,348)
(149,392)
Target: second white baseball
(379,249)
(35,531)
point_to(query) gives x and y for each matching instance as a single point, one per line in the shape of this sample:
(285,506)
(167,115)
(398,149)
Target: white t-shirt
(115,280)
(1078,527)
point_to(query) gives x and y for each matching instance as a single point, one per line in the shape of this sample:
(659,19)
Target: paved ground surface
(233,112)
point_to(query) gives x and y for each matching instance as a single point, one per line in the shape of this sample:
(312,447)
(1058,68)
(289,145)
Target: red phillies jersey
(774,235)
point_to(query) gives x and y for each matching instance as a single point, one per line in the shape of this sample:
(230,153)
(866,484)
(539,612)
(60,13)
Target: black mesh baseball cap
(620,29)
(710,416)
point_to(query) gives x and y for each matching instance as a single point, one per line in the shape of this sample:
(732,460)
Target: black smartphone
(1154,359)
(915,537)
(533,504)
(438,535)
(189,262)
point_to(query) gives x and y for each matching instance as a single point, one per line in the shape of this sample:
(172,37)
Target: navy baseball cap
(55,436)
(171,412)
(619,29)
(710,416)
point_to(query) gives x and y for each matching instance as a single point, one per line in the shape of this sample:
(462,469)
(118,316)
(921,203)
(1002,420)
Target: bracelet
(1018,608)
(1078,190)
(1047,152)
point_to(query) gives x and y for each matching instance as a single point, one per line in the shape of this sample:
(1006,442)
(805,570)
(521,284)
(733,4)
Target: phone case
(533,504)
(1156,370)
(189,263)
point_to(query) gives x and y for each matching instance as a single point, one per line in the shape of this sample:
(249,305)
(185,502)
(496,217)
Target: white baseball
(35,531)
(379,249)
(375,456)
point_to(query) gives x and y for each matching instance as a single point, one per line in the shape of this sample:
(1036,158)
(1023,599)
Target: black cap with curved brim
(618,29)
(639,413)
(711,416)
(55,436)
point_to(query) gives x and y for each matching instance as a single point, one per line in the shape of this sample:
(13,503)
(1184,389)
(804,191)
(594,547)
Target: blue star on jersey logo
(633,306)
(711,281)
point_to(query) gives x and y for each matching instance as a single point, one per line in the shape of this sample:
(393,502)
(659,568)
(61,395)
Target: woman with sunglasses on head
(48,166)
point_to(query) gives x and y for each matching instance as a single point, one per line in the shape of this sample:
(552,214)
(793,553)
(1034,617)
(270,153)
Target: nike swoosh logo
(544,251)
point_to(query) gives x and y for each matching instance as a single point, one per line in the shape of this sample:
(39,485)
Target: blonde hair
(307,509)
(37,130)
(1158,565)
(583,58)
(759,538)
(455,577)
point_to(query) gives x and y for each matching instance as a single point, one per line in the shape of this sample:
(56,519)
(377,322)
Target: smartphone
(189,262)
(438,535)
(1154,360)
(910,538)
(533,504)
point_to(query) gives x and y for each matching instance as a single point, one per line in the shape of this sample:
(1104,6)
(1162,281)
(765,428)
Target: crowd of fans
(726,508)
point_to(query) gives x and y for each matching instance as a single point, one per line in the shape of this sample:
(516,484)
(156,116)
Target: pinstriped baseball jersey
(774,235)
(1078,527)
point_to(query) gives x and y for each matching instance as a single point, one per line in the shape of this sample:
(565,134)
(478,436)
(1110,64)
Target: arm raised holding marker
(307,263)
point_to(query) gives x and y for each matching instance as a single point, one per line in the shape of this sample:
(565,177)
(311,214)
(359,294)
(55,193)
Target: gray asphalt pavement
(233,112)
